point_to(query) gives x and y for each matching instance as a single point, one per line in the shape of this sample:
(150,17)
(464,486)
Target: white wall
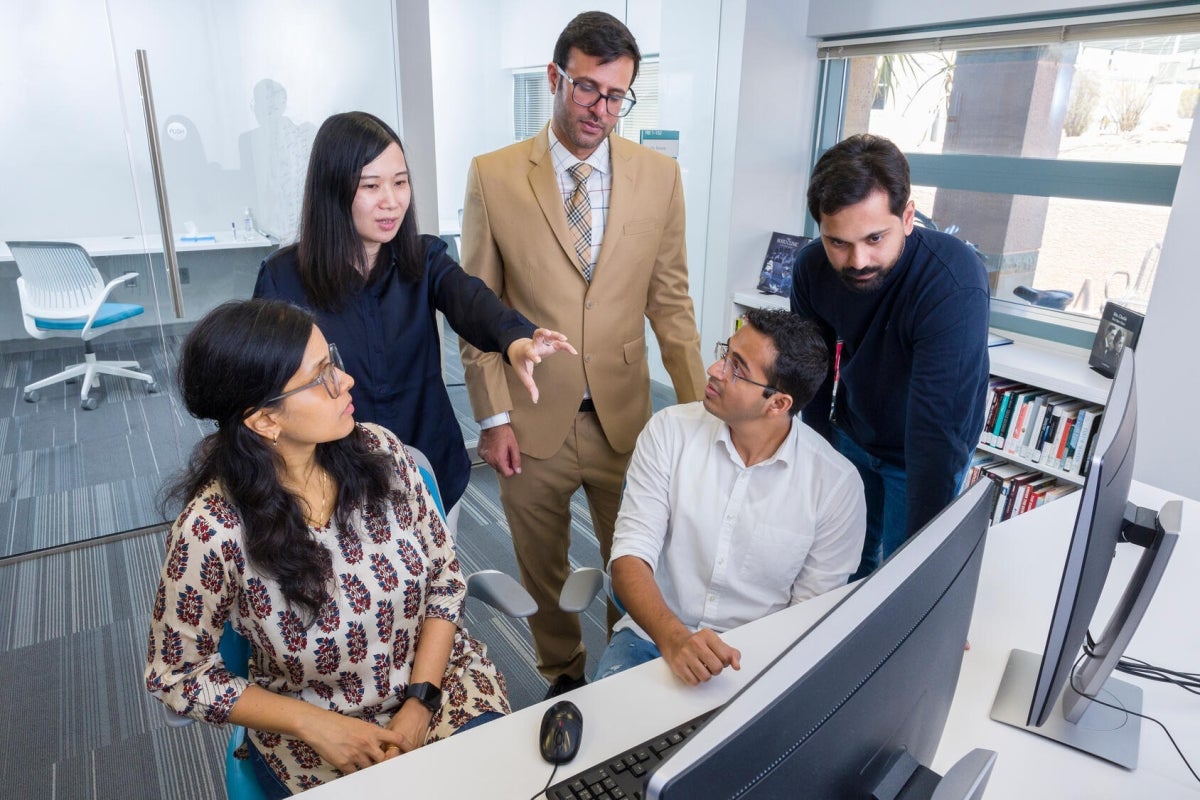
(1167,379)
(766,96)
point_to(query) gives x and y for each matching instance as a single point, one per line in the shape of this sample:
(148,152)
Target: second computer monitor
(862,697)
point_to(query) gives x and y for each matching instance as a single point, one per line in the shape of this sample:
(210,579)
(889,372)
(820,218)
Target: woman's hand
(412,723)
(351,744)
(525,354)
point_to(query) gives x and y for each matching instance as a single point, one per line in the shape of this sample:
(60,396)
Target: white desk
(1020,577)
(100,246)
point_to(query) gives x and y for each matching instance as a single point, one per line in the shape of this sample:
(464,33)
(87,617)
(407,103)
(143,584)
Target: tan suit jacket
(515,237)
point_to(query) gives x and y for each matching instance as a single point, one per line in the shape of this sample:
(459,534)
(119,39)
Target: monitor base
(1103,732)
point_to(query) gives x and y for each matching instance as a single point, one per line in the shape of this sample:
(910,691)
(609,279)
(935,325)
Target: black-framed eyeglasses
(722,353)
(328,378)
(587,96)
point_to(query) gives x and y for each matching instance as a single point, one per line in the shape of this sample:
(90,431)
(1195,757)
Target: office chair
(63,294)
(497,589)
(581,588)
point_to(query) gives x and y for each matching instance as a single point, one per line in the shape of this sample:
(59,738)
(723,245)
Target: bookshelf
(1061,373)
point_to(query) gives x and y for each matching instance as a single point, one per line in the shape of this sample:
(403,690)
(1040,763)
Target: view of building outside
(1122,101)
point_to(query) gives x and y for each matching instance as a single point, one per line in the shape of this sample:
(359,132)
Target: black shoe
(563,684)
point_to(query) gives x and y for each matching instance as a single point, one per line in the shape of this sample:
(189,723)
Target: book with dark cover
(776,274)
(1119,328)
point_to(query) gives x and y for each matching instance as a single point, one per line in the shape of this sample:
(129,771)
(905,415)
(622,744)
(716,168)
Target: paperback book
(776,274)
(1119,328)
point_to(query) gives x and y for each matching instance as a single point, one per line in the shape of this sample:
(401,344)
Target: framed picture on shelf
(1119,328)
(776,274)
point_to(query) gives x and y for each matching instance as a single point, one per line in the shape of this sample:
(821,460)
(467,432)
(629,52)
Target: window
(1054,151)
(533,104)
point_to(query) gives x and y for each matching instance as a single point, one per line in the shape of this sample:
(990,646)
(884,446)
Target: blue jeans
(626,649)
(275,789)
(885,486)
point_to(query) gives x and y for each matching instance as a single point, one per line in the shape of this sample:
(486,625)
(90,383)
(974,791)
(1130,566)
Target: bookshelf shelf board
(1059,369)
(1068,477)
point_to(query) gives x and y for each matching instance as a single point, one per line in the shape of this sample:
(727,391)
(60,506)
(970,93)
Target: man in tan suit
(592,251)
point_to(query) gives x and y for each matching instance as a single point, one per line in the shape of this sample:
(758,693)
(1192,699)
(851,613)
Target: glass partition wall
(239,90)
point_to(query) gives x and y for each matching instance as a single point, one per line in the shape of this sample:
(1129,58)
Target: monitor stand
(1104,732)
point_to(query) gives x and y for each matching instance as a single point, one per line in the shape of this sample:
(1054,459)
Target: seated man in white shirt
(733,508)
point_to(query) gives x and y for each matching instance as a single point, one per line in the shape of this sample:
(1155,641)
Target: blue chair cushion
(109,313)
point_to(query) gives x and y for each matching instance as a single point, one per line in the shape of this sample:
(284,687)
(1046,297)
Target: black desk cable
(1093,699)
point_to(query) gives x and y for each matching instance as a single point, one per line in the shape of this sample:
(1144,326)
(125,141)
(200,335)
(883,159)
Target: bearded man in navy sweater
(905,311)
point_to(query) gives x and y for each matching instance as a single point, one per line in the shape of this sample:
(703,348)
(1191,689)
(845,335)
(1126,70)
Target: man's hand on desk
(696,657)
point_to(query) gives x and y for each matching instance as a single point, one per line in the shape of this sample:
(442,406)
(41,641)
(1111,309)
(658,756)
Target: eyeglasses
(587,96)
(328,378)
(722,353)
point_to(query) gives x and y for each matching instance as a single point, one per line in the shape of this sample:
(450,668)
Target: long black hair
(330,250)
(237,356)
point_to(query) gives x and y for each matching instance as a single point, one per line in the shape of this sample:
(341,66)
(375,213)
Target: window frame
(1124,182)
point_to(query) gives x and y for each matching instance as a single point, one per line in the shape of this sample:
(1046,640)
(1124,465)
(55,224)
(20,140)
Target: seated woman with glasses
(375,285)
(317,540)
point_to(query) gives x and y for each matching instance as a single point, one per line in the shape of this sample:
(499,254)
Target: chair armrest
(103,296)
(175,719)
(502,592)
(581,588)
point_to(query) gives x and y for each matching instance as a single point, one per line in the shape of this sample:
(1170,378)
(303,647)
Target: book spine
(1031,441)
(1068,454)
(1047,435)
(1090,424)
(1014,431)
(993,397)
(1005,399)
(1007,417)
(1023,450)
(1064,432)
(1086,465)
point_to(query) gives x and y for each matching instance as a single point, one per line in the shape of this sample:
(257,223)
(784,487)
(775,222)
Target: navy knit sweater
(914,365)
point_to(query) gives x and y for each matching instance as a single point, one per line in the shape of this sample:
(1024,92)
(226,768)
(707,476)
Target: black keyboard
(624,776)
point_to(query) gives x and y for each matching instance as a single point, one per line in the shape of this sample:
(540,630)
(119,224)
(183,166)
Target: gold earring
(275,441)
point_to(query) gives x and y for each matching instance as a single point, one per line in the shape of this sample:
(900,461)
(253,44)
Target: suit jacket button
(588,359)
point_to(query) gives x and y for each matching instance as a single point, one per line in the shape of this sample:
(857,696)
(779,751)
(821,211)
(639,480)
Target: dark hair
(854,168)
(330,250)
(237,356)
(802,358)
(599,35)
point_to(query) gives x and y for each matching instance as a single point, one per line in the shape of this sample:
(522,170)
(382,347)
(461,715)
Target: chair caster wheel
(31,397)
(153,388)
(89,404)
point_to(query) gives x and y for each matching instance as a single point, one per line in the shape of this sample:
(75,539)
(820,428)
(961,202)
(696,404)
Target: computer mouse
(562,728)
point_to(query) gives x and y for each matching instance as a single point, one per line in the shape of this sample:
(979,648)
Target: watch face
(426,694)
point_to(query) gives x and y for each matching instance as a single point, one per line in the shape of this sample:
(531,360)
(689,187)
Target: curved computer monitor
(856,706)
(1033,684)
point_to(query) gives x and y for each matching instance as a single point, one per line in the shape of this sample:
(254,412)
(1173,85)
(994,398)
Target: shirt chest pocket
(771,560)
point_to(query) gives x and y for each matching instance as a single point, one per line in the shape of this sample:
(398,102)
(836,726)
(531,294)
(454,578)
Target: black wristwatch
(426,694)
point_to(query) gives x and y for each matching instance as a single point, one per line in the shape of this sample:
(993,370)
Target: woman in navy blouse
(375,286)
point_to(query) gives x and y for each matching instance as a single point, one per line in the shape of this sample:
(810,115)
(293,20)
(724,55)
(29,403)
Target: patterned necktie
(579,217)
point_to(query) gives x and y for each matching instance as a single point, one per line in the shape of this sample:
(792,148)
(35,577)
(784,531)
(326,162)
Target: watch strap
(426,694)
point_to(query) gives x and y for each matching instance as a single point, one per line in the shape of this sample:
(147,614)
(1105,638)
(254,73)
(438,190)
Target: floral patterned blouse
(391,570)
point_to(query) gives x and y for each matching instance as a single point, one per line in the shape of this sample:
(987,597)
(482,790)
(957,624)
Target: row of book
(1054,431)
(1021,488)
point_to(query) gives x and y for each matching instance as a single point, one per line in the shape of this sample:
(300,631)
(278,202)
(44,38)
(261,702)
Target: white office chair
(62,294)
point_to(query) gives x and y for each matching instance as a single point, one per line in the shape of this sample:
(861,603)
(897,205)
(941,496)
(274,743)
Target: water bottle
(247,232)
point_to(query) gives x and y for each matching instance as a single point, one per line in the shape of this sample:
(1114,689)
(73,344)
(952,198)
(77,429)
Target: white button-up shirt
(729,543)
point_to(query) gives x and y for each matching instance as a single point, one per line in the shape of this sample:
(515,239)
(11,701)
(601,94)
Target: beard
(857,280)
